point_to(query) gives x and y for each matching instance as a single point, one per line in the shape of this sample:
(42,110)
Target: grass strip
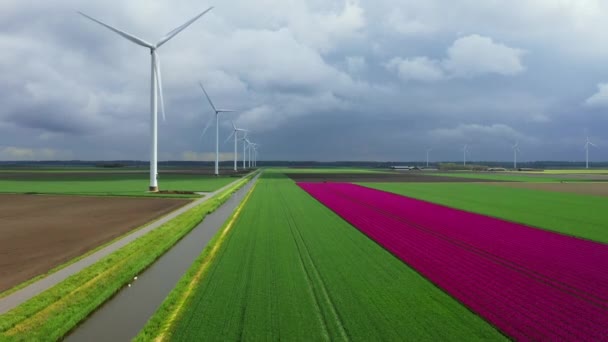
(160,326)
(53,313)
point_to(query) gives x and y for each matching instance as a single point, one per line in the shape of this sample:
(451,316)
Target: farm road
(11,301)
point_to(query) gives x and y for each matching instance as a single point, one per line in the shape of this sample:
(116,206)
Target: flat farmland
(586,188)
(291,269)
(495,267)
(109,183)
(399,177)
(40,232)
(567,213)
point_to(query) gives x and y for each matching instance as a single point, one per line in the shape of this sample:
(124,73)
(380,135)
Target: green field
(111,184)
(572,214)
(293,270)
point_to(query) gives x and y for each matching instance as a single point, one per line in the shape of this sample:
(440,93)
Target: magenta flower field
(530,283)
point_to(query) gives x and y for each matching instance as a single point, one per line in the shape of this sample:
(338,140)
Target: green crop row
(572,214)
(53,313)
(290,269)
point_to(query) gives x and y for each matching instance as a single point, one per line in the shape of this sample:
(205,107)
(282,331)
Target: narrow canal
(123,316)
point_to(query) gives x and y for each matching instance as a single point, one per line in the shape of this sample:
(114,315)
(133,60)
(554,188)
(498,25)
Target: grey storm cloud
(312,80)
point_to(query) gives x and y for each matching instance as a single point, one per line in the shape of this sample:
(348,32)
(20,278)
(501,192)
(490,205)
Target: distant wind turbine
(465,150)
(587,144)
(217,129)
(244,139)
(428,150)
(515,150)
(235,132)
(156,85)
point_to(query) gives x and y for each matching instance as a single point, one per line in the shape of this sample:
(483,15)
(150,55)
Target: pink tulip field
(531,284)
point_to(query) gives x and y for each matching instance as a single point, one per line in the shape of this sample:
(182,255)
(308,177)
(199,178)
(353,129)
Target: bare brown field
(38,233)
(597,189)
(379,177)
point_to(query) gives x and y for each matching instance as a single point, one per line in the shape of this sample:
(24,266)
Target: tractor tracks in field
(328,314)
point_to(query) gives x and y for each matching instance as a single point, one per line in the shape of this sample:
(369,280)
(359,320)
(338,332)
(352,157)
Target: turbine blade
(225,110)
(233,125)
(592,144)
(179,29)
(125,35)
(206,127)
(159,81)
(207,96)
(230,136)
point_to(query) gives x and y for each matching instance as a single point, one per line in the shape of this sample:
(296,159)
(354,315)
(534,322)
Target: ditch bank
(123,316)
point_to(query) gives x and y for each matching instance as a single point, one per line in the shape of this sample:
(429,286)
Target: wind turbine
(255,154)
(587,144)
(217,129)
(244,139)
(428,150)
(465,149)
(249,148)
(515,150)
(155,87)
(235,132)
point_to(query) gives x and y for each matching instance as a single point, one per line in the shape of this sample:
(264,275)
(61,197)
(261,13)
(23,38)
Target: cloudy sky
(313,80)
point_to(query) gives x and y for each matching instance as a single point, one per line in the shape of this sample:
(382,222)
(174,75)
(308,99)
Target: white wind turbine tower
(217,129)
(515,150)
(156,85)
(235,132)
(587,144)
(244,139)
(465,150)
(428,150)
(255,154)
(249,148)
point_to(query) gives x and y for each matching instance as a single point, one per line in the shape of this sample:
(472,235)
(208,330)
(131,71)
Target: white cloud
(467,57)
(325,30)
(600,98)
(416,69)
(475,55)
(399,23)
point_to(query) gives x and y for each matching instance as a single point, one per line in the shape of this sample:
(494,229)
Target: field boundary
(160,325)
(31,317)
(58,268)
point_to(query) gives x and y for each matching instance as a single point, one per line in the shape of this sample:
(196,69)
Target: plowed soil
(378,177)
(38,233)
(597,189)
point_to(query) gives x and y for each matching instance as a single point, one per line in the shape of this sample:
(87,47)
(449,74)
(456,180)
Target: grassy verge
(571,214)
(160,325)
(53,313)
(290,269)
